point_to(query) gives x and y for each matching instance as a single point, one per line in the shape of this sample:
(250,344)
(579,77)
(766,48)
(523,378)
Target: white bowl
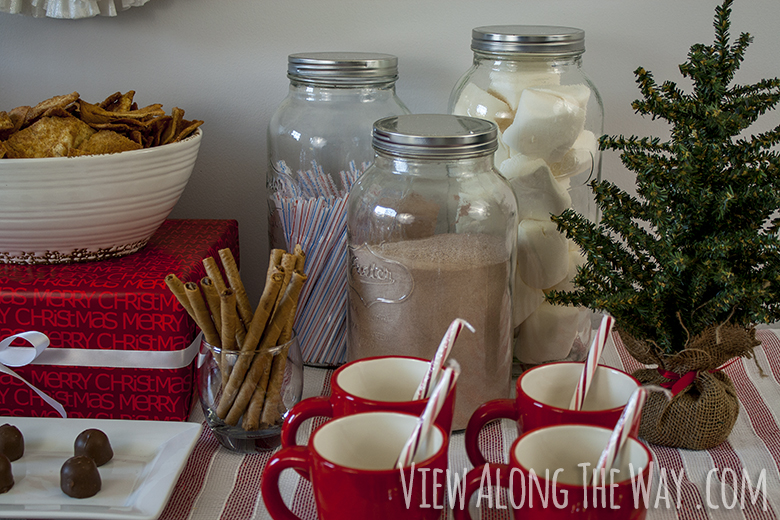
(71,209)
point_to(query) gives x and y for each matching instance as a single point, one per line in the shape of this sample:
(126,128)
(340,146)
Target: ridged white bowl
(72,209)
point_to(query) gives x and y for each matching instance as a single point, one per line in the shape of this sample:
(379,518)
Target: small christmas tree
(691,264)
(699,245)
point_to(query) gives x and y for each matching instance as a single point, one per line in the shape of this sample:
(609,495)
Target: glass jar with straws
(319,142)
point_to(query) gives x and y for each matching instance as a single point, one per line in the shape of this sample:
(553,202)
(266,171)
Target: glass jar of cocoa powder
(431,234)
(319,142)
(529,80)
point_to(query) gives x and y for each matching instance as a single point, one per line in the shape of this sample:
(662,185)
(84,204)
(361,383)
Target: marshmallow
(508,85)
(579,158)
(502,152)
(526,300)
(548,334)
(537,192)
(576,260)
(548,121)
(475,102)
(542,253)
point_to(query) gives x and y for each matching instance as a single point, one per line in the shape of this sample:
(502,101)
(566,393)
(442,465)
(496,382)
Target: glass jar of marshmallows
(529,81)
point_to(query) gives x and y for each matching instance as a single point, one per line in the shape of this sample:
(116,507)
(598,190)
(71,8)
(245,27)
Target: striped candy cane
(436,365)
(425,422)
(591,363)
(630,417)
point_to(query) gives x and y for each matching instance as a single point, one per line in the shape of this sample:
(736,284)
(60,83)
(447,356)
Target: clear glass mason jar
(431,231)
(319,142)
(529,81)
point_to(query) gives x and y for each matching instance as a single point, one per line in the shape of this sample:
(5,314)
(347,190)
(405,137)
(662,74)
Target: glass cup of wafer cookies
(250,368)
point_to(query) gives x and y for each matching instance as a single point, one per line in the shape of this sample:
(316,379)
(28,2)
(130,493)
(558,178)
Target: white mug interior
(372,440)
(566,446)
(554,385)
(389,379)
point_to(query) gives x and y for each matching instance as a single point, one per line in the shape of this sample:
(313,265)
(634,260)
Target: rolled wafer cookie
(234,280)
(259,371)
(202,314)
(256,329)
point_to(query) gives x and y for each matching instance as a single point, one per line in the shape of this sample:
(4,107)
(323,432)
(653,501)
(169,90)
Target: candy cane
(437,363)
(631,416)
(425,422)
(591,363)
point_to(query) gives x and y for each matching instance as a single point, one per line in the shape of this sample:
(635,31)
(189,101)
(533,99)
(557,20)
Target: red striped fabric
(669,462)
(764,427)
(192,478)
(303,500)
(243,499)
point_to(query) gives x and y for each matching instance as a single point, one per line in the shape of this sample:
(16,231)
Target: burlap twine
(703,413)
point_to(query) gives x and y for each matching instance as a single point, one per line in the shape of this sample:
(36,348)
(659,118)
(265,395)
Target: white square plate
(148,458)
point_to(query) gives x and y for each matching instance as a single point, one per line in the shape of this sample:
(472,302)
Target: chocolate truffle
(6,475)
(11,442)
(79,477)
(94,443)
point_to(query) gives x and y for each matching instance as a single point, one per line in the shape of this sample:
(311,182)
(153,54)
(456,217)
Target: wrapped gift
(119,343)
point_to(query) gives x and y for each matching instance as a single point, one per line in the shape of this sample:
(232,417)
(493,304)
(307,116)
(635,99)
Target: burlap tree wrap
(703,413)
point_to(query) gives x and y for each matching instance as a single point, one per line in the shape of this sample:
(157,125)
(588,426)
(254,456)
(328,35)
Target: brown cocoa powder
(405,294)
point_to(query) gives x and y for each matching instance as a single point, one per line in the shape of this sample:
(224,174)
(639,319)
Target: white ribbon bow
(20,356)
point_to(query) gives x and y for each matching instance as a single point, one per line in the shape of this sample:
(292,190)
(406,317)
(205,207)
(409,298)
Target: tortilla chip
(118,102)
(19,116)
(105,141)
(136,136)
(2,150)
(95,114)
(173,126)
(48,137)
(6,124)
(189,128)
(57,101)
(57,112)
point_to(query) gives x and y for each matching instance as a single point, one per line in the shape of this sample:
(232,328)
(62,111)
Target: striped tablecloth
(219,484)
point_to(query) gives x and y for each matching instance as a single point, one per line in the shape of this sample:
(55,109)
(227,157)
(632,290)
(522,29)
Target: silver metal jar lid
(435,136)
(530,39)
(342,68)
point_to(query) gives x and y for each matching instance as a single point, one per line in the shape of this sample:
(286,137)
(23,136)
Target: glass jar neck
(433,166)
(551,60)
(326,92)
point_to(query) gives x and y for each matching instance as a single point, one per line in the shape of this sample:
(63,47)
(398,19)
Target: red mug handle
(308,408)
(473,480)
(489,411)
(296,457)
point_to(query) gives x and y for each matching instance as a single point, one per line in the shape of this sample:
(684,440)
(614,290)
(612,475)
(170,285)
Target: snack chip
(48,137)
(105,141)
(69,126)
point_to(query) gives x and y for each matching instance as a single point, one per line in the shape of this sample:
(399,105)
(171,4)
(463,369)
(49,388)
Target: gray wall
(225,62)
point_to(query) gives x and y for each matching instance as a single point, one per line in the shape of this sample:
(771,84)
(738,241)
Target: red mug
(351,464)
(549,477)
(382,383)
(543,396)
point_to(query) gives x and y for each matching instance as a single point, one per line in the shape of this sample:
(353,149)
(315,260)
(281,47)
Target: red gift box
(121,345)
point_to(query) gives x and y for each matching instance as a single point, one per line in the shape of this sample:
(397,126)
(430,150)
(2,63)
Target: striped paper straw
(436,365)
(631,416)
(424,426)
(312,212)
(591,363)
